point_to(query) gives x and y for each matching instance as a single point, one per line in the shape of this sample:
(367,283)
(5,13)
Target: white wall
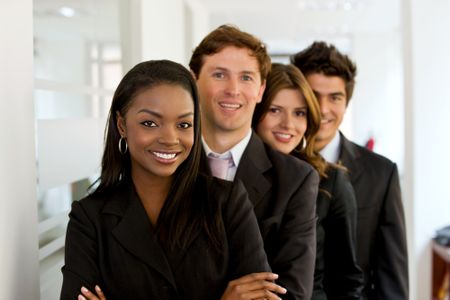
(18,204)
(377,104)
(427,49)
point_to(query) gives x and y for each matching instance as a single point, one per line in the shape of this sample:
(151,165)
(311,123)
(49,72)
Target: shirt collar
(236,151)
(331,151)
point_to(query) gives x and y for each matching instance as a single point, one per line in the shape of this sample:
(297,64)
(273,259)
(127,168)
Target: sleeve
(295,253)
(343,278)
(81,259)
(392,255)
(244,238)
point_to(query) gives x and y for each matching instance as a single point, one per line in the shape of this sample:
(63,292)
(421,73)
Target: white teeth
(165,155)
(283,135)
(229,105)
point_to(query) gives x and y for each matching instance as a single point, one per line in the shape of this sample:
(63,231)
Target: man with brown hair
(231,68)
(381,236)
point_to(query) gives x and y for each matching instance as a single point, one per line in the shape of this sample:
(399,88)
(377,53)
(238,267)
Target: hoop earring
(303,143)
(121,150)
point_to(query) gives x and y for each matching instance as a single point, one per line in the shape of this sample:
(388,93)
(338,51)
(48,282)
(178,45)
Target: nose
(232,87)
(323,103)
(287,121)
(169,136)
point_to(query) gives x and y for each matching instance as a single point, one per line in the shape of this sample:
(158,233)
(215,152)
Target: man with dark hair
(231,68)
(381,236)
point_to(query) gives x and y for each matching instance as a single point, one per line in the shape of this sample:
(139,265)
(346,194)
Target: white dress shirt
(331,151)
(236,153)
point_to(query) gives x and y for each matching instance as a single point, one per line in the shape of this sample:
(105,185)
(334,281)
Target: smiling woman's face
(158,127)
(285,122)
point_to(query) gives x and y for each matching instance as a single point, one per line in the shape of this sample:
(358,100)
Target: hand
(88,295)
(253,286)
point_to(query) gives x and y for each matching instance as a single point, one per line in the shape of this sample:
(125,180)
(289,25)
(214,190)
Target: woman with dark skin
(154,228)
(288,119)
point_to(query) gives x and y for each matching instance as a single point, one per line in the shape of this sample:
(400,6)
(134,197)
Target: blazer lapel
(135,233)
(348,157)
(254,163)
(204,167)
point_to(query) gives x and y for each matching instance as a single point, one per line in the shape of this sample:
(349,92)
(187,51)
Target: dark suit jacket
(337,275)
(381,235)
(283,190)
(111,242)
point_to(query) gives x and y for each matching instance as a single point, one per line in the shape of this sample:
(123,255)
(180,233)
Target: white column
(153,29)
(427,111)
(18,204)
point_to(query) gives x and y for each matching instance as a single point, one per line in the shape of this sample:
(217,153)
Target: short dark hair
(230,35)
(325,59)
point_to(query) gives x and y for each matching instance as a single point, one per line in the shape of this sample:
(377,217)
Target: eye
(218,75)
(184,125)
(300,113)
(337,98)
(149,124)
(247,78)
(274,110)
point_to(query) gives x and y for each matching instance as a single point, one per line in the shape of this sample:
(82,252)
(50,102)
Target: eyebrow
(298,107)
(331,94)
(338,94)
(158,115)
(223,69)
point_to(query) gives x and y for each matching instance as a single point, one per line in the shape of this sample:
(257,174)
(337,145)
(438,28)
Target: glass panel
(59,105)
(68,150)
(64,32)
(77,64)
(110,72)
(57,200)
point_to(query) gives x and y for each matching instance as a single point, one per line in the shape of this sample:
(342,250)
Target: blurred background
(60,61)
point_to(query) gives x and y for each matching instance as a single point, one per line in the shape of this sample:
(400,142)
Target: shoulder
(337,179)
(94,204)
(368,158)
(90,204)
(289,164)
(216,189)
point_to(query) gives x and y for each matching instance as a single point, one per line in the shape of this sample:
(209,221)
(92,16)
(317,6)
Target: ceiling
(284,25)
(290,24)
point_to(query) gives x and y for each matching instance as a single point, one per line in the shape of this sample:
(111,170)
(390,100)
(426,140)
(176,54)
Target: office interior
(60,61)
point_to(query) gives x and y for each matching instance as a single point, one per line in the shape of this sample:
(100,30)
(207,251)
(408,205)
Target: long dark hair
(290,77)
(179,218)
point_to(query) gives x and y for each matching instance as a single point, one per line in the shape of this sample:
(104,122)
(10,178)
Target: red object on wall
(370,143)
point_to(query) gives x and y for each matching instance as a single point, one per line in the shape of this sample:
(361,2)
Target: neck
(319,145)
(221,141)
(152,193)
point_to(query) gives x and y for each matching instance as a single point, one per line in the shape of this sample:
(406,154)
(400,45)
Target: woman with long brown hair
(288,119)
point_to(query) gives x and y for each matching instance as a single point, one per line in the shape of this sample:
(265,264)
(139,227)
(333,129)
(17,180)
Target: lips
(230,106)
(165,157)
(283,137)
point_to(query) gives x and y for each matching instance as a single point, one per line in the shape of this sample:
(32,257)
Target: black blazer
(111,242)
(283,190)
(337,275)
(381,235)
